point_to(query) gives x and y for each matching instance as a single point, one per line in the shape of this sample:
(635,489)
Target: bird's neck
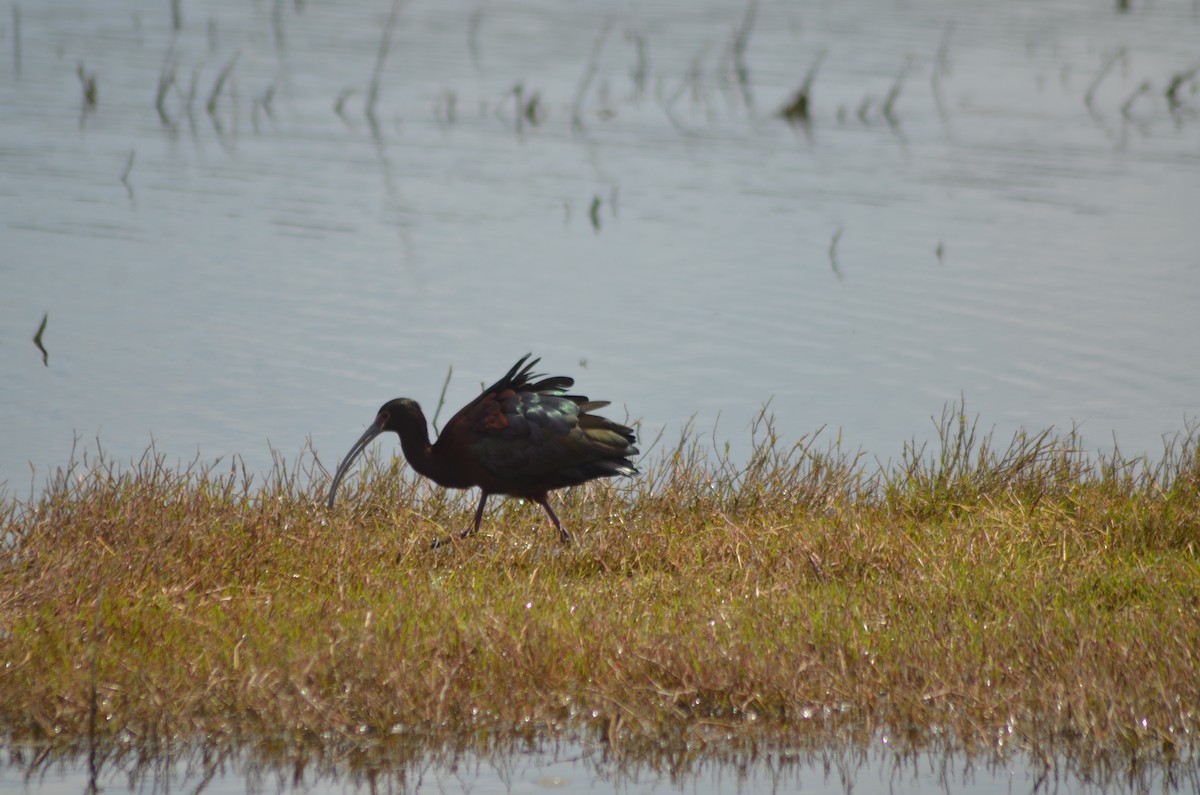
(421,455)
(414,441)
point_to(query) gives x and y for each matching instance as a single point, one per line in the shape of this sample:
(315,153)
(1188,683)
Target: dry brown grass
(1029,597)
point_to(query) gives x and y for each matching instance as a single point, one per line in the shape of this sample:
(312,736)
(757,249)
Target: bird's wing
(538,435)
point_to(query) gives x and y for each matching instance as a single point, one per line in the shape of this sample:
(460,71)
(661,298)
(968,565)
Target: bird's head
(401,416)
(398,414)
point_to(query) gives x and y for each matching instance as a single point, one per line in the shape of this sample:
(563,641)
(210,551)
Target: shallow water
(572,769)
(230,280)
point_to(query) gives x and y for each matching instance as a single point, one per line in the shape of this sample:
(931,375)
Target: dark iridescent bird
(522,436)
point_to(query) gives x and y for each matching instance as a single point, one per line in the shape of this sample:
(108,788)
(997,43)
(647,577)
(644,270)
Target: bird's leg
(563,535)
(478,516)
(470,531)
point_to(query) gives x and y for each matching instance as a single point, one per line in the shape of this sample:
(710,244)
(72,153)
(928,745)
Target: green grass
(1027,597)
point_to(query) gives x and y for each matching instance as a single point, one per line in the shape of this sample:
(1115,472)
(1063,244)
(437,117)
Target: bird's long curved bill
(354,453)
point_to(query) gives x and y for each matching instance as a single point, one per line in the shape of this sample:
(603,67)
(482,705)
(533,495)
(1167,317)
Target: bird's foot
(441,542)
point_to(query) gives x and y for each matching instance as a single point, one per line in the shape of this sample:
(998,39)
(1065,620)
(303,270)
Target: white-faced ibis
(522,437)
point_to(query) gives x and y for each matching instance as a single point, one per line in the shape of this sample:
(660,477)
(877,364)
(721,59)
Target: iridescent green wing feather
(537,434)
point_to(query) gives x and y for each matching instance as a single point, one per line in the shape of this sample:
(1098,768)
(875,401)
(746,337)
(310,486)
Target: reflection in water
(485,764)
(37,340)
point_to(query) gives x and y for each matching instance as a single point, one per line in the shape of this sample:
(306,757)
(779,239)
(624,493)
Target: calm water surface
(257,264)
(572,769)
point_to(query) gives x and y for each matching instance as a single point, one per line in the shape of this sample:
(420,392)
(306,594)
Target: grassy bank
(1027,596)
